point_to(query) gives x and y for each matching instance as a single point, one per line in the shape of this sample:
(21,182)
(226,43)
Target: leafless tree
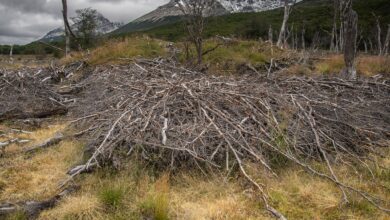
(350,32)
(195,12)
(288,6)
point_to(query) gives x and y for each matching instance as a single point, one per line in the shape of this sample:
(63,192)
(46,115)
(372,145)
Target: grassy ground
(138,192)
(366,65)
(231,58)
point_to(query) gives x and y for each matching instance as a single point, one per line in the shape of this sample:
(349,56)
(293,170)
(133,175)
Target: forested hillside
(315,15)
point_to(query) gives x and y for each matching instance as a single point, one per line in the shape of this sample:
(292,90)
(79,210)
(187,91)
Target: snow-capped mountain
(234,6)
(221,7)
(170,12)
(104,26)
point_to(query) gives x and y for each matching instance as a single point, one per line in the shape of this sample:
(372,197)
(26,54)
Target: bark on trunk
(270,35)
(379,40)
(350,39)
(334,40)
(303,38)
(66,26)
(387,42)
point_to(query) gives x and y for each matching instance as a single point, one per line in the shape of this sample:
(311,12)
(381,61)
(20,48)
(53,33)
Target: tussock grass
(156,203)
(111,197)
(225,59)
(119,51)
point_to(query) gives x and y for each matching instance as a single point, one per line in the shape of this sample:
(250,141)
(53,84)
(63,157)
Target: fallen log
(33,208)
(23,114)
(47,143)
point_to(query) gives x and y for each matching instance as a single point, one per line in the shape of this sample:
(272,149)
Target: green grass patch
(112,197)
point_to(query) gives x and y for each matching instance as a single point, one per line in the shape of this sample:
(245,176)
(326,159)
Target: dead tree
(270,35)
(303,38)
(11,51)
(387,42)
(350,20)
(288,6)
(378,35)
(334,44)
(195,12)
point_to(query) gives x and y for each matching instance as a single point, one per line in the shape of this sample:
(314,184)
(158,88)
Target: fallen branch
(47,143)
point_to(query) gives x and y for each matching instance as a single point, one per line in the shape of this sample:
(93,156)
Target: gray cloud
(25,20)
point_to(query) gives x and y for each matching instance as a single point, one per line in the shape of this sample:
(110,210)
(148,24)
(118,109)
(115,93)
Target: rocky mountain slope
(104,26)
(170,12)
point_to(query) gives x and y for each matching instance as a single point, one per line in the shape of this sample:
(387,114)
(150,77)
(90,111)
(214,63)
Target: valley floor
(112,78)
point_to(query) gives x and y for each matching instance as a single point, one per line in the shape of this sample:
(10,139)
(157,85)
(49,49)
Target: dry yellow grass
(137,193)
(80,207)
(366,65)
(194,197)
(36,177)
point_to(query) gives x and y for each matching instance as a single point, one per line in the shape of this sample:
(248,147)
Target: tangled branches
(172,118)
(24,94)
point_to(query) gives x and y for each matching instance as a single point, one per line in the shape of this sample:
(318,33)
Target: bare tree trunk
(282,32)
(334,41)
(379,33)
(67,27)
(387,42)
(288,5)
(270,35)
(371,45)
(350,39)
(365,46)
(199,50)
(303,38)
(11,52)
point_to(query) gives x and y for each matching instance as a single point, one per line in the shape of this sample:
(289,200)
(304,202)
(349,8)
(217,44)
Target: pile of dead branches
(172,117)
(24,94)
(35,92)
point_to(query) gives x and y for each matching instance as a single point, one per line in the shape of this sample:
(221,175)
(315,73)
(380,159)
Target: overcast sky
(22,21)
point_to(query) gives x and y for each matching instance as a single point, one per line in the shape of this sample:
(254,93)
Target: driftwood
(47,143)
(33,208)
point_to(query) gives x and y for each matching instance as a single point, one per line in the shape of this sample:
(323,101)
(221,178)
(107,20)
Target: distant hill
(104,26)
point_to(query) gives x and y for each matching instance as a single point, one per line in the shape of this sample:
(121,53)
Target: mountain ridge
(170,13)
